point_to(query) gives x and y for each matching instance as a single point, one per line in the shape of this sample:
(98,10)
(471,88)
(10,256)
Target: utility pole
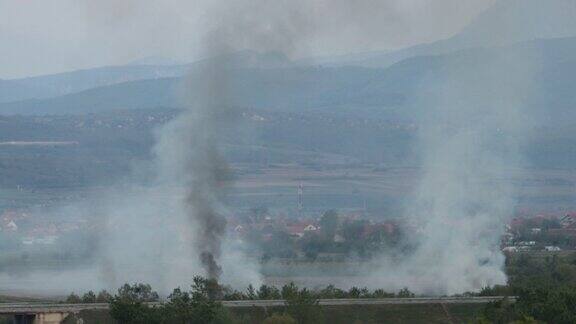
(300,199)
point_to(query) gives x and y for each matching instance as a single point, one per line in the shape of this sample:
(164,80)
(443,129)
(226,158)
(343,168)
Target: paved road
(370,301)
(32,308)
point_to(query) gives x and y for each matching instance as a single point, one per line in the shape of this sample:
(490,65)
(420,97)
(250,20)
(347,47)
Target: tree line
(545,290)
(225,293)
(139,303)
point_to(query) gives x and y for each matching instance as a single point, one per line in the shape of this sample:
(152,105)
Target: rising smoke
(474,123)
(471,141)
(188,152)
(472,128)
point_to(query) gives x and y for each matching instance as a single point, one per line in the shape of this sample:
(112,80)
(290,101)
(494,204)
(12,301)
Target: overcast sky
(48,36)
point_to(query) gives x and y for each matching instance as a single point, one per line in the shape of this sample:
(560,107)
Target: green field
(357,314)
(426,313)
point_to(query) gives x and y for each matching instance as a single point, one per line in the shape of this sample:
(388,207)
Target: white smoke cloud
(472,130)
(473,126)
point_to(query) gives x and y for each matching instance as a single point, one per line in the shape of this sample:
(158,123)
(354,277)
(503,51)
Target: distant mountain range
(376,84)
(61,84)
(342,110)
(384,93)
(506,23)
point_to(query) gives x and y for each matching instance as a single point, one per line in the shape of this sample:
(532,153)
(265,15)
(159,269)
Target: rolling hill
(370,92)
(506,23)
(257,88)
(42,87)
(61,84)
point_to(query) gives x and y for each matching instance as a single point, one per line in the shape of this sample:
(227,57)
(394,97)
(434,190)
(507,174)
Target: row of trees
(545,288)
(215,291)
(266,292)
(133,304)
(139,303)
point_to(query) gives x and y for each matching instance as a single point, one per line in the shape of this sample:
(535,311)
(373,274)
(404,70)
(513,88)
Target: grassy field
(368,314)
(382,191)
(360,314)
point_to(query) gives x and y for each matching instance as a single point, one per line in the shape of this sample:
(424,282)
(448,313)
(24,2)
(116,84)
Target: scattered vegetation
(89,298)
(139,303)
(545,290)
(264,292)
(544,287)
(279,319)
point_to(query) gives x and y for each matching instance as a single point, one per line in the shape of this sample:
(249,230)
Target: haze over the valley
(205,132)
(84,34)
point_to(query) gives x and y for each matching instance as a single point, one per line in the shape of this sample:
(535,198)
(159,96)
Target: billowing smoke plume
(189,154)
(183,207)
(189,148)
(473,125)
(472,128)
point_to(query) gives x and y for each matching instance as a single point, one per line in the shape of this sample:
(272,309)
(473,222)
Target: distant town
(330,236)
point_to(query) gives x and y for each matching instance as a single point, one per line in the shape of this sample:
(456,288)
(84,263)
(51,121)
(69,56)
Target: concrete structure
(42,313)
(41,318)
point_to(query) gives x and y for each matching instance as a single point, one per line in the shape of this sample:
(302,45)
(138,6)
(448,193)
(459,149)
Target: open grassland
(350,314)
(365,314)
(381,191)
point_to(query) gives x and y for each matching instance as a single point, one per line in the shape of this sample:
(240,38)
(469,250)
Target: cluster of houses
(8,221)
(543,232)
(296,228)
(31,232)
(301,227)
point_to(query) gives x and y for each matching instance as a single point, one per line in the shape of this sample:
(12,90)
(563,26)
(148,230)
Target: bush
(540,302)
(302,305)
(73,299)
(497,290)
(137,292)
(331,292)
(129,305)
(103,297)
(279,319)
(196,306)
(268,292)
(89,297)
(405,293)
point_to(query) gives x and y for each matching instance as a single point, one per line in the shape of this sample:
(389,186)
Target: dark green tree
(329,225)
(352,230)
(302,305)
(73,299)
(405,293)
(103,297)
(279,319)
(129,305)
(268,292)
(89,297)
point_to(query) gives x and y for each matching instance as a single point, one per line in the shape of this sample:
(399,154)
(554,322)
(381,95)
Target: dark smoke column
(189,156)
(208,173)
(207,170)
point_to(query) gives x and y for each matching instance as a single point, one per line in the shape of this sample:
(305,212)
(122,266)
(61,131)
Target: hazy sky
(47,36)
